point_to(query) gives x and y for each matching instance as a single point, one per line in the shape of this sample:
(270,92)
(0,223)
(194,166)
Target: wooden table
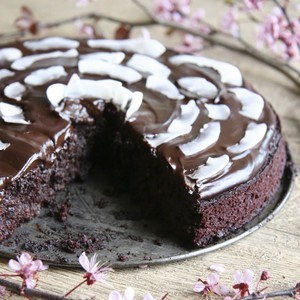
(275,247)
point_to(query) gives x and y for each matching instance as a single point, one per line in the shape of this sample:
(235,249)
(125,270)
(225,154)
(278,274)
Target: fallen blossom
(210,286)
(94,271)
(27,269)
(243,282)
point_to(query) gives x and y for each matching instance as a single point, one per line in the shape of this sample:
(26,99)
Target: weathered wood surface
(275,247)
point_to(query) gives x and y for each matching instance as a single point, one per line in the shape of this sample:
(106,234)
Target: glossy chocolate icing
(37,141)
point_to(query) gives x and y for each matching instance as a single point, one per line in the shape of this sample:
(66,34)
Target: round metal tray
(99,221)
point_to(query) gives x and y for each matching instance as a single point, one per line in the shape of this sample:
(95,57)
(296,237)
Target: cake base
(119,232)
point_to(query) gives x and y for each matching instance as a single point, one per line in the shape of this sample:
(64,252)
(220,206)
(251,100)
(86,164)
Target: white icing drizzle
(200,86)
(4,73)
(9,54)
(218,111)
(212,167)
(105,68)
(12,113)
(51,43)
(148,65)
(25,62)
(253,136)
(113,57)
(209,135)
(145,46)
(106,89)
(252,103)
(229,73)
(178,127)
(15,91)
(42,76)
(163,86)
(135,104)
(4,146)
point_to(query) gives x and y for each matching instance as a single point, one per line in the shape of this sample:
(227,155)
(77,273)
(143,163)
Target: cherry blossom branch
(286,69)
(284,293)
(16,288)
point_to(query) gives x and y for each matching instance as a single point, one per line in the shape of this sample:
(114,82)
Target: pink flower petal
(213,279)
(30,283)
(199,287)
(25,259)
(129,293)
(84,261)
(115,295)
(14,265)
(238,277)
(248,276)
(148,296)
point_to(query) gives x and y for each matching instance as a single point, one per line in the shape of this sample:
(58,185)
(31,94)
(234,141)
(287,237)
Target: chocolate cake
(185,135)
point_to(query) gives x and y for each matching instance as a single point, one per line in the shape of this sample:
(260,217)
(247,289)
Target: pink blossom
(94,271)
(27,268)
(229,21)
(210,286)
(189,44)
(172,10)
(253,4)
(196,21)
(27,22)
(87,30)
(265,275)
(280,36)
(243,282)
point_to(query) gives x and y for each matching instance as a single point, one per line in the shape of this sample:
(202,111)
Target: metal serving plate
(99,221)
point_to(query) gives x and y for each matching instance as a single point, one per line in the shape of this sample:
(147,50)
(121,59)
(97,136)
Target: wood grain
(275,247)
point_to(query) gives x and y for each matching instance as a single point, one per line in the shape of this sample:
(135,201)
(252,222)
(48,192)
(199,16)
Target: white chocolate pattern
(200,86)
(253,136)
(148,66)
(4,73)
(9,54)
(163,86)
(252,103)
(42,76)
(25,62)
(15,91)
(145,46)
(51,43)
(212,167)
(229,73)
(105,68)
(12,114)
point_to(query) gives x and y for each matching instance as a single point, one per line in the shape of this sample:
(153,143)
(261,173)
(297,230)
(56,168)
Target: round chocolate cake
(185,135)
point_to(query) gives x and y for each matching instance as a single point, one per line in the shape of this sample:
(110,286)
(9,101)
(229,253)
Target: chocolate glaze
(47,132)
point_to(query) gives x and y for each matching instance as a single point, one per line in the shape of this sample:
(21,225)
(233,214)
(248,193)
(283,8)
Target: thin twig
(284,293)
(16,288)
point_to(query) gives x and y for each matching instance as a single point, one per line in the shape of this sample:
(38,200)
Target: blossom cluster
(243,284)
